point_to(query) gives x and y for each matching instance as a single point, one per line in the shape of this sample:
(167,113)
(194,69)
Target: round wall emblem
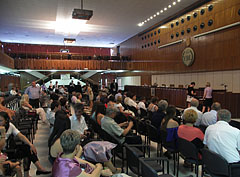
(188,56)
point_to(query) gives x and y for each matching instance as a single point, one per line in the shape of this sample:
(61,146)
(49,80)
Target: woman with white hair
(24,103)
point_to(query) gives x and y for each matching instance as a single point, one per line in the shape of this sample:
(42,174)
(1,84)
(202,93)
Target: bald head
(194,102)
(216,106)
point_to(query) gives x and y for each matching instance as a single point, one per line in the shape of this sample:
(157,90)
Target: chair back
(143,113)
(187,149)
(214,163)
(147,170)
(133,156)
(152,133)
(141,127)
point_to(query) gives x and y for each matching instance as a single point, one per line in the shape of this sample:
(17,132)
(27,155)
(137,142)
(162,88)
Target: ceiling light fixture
(158,13)
(165,8)
(178,0)
(151,17)
(174,3)
(169,6)
(161,11)
(154,15)
(69,41)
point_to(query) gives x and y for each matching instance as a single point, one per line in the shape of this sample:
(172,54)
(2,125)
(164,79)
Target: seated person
(141,105)
(111,101)
(10,112)
(152,107)
(68,164)
(26,151)
(64,105)
(169,127)
(209,118)
(55,106)
(78,121)
(24,103)
(110,126)
(61,123)
(224,139)
(119,104)
(99,113)
(159,114)
(7,166)
(193,105)
(190,133)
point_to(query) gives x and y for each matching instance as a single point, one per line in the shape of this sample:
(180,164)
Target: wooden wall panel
(213,52)
(6,80)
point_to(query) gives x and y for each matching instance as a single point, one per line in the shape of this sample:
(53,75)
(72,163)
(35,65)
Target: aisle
(41,144)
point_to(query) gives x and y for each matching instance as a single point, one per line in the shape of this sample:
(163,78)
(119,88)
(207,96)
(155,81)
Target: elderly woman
(68,164)
(189,132)
(24,103)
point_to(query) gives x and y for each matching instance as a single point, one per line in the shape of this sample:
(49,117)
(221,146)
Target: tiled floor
(41,144)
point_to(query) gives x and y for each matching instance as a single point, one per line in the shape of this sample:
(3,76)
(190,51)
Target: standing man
(33,94)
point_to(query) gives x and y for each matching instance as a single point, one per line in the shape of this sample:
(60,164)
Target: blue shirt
(33,92)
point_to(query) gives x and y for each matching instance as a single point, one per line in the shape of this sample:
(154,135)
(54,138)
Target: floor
(40,143)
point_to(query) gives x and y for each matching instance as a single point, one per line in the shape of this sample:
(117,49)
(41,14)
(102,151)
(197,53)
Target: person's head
(34,84)
(56,82)
(154,100)
(55,106)
(79,96)
(63,101)
(190,116)
(119,99)
(4,120)
(216,106)
(224,115)
(171,111)
(134,97)
(111,98)
(193,84)
(70,141)
(100,109)
(25,97)
(194,102)
(208,84)
(78,109)
(111,112)
(143,99)
(162,105)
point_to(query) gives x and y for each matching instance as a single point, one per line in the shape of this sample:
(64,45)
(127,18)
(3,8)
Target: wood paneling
(177,97)
(6,60)
(213,52)
(6,80)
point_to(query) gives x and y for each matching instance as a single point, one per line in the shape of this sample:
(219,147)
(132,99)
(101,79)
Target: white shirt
(209,118)
(13,92)
(50,116)
(199,113)
(78,126)
(11,130)
(141,105)
(132,103)
(223,139)
(119,105)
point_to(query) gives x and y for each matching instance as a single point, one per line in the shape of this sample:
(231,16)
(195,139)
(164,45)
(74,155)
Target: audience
(55,106)
(10,112)
(209,118)
(141,105)
(224,139)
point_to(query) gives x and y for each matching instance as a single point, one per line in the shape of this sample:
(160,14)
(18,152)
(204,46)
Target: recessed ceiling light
(145,21)
(154,15)
(158,13)
(174,3)
(165,8)
(178,0)
(148,19)
(151,17)
(161,11)
(169,6)
(140,24)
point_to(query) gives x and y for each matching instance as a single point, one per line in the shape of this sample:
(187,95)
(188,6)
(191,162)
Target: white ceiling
(113,21)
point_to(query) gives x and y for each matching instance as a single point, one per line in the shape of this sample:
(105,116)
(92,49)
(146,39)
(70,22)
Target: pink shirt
(190,133)
(208,91)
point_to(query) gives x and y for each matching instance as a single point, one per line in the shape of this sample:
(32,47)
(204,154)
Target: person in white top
(193,105)
(224,139)
(141,105)
(55,106)
(131,101)
(26,151)
(118,94)
(13,92)
(78,121)
(209,118)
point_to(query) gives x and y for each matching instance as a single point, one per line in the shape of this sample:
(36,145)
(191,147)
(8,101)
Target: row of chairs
(133,155)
